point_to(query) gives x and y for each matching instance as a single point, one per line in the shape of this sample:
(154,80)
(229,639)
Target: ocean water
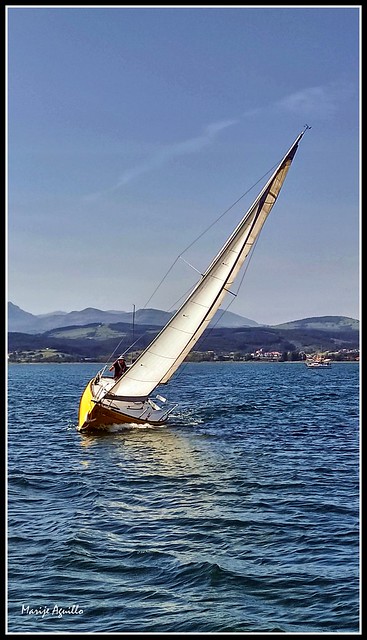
(240,516)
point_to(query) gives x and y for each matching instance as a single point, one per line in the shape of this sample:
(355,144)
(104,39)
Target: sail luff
(166,352)
(289,155)
(248,244)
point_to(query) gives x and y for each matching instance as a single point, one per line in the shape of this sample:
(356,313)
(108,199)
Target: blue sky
(131,130)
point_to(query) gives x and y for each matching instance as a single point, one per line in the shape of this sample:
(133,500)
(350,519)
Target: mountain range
(77,338)
(25,322)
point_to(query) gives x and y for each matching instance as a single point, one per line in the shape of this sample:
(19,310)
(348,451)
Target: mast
(166,352)
(133,330)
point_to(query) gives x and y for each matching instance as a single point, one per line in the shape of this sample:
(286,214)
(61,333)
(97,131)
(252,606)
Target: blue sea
(240,516)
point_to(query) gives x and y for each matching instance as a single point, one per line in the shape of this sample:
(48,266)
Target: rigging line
(110,358)
(208,331)
(169,309)
(207,334)
(190,265)
(132,344)
(161,282)
(188,247)
(227,210)
(207,229)
(205,337)
(234,294)
(145,332)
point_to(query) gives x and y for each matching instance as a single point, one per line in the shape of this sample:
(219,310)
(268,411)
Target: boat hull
(94,416)
(86,405)
(318,365)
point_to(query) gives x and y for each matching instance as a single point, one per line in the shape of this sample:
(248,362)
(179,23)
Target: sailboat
(105,401)
(318,362)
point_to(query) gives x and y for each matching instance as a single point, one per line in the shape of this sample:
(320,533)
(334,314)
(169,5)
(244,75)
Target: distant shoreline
(202,362)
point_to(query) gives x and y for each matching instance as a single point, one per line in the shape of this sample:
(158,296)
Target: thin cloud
(322,101)
(192,145)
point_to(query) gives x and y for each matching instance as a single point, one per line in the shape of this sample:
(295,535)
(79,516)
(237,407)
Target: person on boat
(119,367)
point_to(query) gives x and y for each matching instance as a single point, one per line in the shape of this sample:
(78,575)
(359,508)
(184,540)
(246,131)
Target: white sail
(167,351)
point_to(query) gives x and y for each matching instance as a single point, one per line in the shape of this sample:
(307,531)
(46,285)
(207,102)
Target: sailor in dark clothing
(119,367)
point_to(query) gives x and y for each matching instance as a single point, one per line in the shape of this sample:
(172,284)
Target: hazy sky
(131,130)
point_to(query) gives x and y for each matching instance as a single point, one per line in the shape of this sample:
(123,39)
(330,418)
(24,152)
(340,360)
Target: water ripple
(240,516)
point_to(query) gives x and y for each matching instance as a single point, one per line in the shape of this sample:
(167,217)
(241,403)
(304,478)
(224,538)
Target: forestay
(167,351)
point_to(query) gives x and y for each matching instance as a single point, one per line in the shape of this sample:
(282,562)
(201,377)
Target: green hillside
(323,323)
(98,341)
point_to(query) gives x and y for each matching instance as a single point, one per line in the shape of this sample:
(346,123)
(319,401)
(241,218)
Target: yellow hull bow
(95,416)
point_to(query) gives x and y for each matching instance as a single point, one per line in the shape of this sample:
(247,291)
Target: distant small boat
(127,398)
(318,363)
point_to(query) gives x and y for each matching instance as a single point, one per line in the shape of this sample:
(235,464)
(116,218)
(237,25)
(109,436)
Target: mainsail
(166,352)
